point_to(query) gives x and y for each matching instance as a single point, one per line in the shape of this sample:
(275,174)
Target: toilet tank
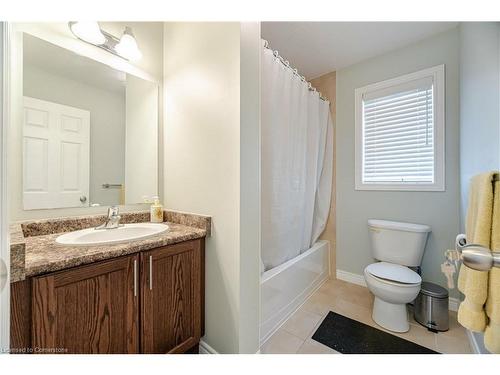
(399,243)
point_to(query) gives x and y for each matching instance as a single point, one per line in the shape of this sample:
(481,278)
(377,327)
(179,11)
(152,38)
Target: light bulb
(127,47)
(88,31)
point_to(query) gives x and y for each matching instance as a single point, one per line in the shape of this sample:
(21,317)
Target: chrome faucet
(113,219)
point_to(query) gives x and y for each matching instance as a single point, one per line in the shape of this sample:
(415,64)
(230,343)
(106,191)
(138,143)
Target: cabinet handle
(135,277)
(150,272)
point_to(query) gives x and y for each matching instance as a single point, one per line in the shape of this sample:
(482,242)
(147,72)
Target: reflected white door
(56,141)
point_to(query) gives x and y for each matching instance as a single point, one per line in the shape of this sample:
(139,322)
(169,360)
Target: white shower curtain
(297,163)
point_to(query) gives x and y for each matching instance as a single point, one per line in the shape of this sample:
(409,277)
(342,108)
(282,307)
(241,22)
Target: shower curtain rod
(295,71)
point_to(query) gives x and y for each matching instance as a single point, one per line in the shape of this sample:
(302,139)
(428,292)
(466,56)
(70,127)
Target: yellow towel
(474,284)
(492,332)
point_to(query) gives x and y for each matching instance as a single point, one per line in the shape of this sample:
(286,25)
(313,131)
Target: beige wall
(326,84)
(250,243)
(206,156)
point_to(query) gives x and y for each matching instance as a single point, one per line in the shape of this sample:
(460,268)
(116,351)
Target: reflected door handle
(83,199)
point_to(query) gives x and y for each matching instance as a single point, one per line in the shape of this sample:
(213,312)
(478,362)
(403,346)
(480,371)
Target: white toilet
(396,246)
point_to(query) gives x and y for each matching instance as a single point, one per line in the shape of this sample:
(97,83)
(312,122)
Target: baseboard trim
(206,349)
(354,278)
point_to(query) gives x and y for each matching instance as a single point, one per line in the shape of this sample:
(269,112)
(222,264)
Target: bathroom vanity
(144,296)
(85,134)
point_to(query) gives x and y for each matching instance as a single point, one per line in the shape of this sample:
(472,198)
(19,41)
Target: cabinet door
(88,309)
(171,298)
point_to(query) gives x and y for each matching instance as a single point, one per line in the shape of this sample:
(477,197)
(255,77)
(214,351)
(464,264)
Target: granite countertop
(17,253)
(44,255)
(34,250)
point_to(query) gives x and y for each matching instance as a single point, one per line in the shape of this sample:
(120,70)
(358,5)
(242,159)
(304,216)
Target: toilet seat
(393,274)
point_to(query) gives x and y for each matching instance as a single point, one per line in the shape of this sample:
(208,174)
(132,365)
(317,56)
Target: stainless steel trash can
(431,307)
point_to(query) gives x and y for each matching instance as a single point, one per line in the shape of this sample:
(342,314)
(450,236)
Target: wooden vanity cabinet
(88,309)
(171,298)
(150,302)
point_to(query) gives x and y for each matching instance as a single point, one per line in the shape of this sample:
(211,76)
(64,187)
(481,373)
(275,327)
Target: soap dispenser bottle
(156,211)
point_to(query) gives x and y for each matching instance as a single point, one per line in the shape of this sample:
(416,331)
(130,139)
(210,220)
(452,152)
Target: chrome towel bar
(112,186)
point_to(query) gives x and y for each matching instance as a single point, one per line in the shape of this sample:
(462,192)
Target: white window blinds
(398,134)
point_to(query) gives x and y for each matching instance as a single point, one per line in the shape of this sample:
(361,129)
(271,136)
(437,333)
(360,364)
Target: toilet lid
(394,272)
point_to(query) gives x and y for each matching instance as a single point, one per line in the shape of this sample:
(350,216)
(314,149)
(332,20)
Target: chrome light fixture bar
(124,47)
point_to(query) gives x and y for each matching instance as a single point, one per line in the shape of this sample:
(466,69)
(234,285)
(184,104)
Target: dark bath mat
(349,336)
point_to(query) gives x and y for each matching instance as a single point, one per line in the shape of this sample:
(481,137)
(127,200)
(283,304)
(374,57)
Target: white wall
(438,209)
(107,130)
(203,166)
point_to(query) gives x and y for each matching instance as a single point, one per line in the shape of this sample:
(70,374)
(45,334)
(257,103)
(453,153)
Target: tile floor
(354,302)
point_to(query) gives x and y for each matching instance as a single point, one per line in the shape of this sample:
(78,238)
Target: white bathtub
(286,287)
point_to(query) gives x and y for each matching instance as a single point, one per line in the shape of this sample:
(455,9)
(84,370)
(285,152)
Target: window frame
(437,73)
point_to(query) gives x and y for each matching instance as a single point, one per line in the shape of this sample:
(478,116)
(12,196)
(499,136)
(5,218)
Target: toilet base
(393,317)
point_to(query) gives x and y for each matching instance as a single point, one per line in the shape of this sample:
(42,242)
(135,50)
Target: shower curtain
(297,162)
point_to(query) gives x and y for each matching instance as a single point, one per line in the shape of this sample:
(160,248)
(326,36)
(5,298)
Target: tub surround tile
(34,250)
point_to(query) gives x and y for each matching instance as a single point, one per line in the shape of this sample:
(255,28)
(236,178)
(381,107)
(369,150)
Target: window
(400,133)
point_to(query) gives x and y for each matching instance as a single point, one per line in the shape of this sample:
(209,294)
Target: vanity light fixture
(127,47)
(88,31)
(124,47)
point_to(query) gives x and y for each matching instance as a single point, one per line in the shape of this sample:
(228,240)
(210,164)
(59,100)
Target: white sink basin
(128,232)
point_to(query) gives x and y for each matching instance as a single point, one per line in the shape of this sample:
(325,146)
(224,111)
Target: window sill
(409,187)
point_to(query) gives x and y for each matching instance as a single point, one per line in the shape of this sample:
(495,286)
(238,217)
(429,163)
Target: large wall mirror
(90,132)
